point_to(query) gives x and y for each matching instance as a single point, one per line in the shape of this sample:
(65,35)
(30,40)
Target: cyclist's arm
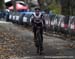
(32,20)
(43,20)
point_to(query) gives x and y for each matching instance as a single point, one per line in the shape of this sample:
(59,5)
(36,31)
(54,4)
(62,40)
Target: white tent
(6,1)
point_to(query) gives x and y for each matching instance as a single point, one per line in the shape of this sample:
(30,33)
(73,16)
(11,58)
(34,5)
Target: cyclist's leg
(36,40)
(41,42)
(35,36)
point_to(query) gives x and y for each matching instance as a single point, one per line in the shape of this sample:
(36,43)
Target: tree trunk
(14,5)
(39,3)
(2,5)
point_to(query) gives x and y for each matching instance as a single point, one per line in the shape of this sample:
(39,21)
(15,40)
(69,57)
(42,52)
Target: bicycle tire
(39,41)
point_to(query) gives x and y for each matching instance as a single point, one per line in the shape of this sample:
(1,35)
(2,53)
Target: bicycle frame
(38,36)
(39,42)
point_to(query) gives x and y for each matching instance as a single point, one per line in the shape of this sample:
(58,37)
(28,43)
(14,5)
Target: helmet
(37,9)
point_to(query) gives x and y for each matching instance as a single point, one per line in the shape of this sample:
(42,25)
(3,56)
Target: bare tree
(68,7)
(14,5)
(1,4)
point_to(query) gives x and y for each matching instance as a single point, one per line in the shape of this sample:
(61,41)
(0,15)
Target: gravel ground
(16,42)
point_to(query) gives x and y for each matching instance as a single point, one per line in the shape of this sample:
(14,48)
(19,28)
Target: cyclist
(38,16)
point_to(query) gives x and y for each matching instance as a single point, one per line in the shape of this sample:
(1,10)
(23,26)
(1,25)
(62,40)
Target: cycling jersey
(37,20)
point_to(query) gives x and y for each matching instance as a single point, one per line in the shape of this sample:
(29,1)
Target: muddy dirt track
(16,42)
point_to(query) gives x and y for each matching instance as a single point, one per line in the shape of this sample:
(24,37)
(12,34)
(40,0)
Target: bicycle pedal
(37,51)
(40,53)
